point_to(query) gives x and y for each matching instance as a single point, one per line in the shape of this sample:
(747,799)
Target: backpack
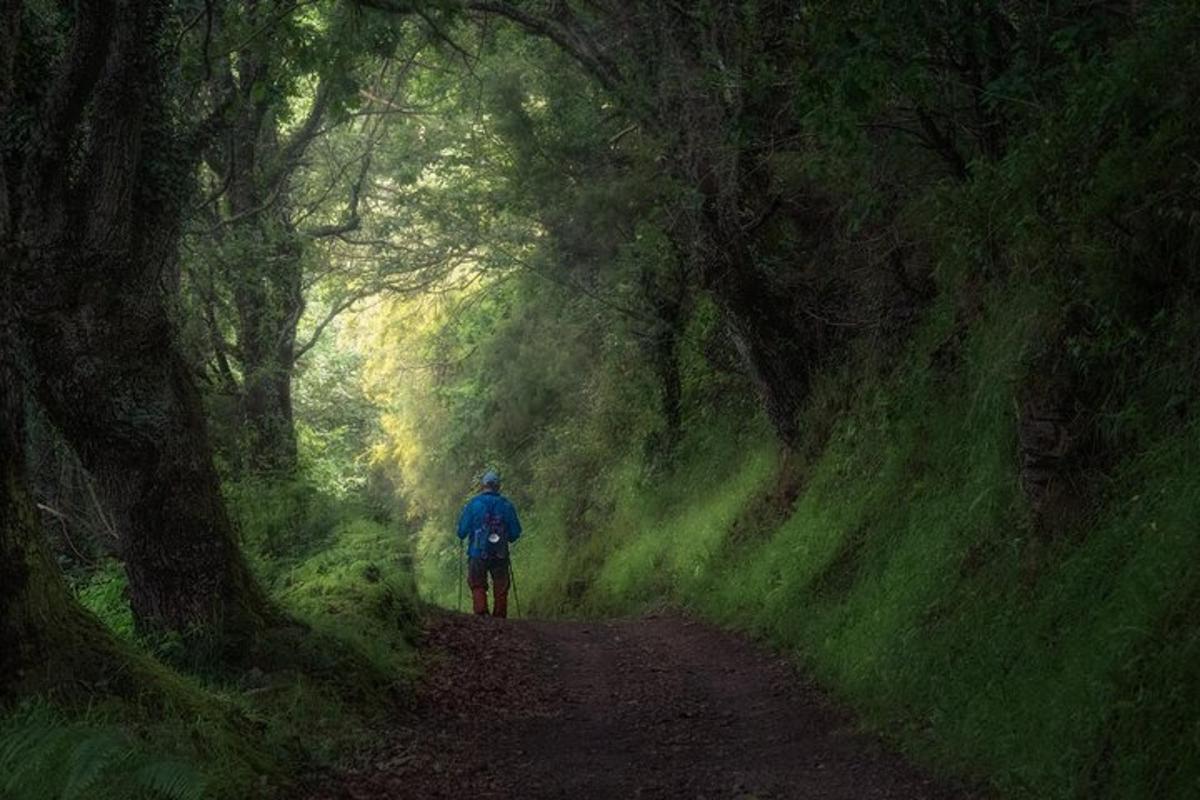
(492,534)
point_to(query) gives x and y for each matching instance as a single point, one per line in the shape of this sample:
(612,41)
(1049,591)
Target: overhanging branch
(353,220)
(596,65)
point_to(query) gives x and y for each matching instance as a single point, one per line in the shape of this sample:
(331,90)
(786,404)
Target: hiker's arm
(464,522)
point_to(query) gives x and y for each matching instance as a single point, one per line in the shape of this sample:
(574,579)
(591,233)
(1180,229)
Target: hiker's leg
(499,570)
(477,580)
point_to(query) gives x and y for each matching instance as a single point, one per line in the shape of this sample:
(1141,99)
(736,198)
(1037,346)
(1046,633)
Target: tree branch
(559,34)
(943,144)
(294,148)
(334,310)
(90,43)
(353,221)
(62,111)
(441,35)
(602,69)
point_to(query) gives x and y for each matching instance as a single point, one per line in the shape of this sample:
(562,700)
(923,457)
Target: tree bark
(48,643)
(263,266)
(667,296)
(110,378)
(269,301)
(85,254)
(774,346)
(266,409)
(765,333)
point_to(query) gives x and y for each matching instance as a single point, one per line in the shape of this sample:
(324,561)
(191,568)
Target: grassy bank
(1052,654)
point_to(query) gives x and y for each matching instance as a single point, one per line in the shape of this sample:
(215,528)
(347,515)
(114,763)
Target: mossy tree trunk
(47,642)
(125,401)
(666,293)
(268,313)
(776,348)
(261,263)
(266,284)
(262,258)
(91,195)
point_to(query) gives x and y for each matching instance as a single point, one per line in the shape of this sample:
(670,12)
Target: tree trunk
(769,340)
(85,254)
(48,643)
(668,298)
(269,307)
(774,360)
(666,362)
(696,66)
(110,378)
(266,279)
(267,415)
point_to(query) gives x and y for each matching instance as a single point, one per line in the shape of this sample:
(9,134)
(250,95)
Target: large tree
(732,91)
(288,182)
(93,172)
(248,270)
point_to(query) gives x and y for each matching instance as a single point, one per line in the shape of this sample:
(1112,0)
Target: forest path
(655,707)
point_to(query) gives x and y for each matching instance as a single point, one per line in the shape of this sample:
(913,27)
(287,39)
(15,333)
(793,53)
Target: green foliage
(358,588)
(335,421)
(43,756)
(1012,206)
(315,691)
(332,565)
(103,593)
(344,575)
(283,519)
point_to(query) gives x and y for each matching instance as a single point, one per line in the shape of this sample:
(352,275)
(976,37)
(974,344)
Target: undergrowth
(45,756)
(325,683)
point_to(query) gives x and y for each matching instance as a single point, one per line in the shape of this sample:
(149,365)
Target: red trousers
(478,570)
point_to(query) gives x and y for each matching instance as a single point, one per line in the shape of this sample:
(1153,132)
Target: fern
(170,779)
(89,759)
(44,756)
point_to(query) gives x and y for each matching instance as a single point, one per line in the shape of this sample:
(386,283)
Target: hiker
(491,522)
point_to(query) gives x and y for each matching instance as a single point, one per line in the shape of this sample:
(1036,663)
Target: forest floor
(655,707)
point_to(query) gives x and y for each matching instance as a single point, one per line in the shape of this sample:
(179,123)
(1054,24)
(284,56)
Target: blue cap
(490,478)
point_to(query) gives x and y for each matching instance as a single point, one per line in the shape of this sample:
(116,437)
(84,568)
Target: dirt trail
(657,707)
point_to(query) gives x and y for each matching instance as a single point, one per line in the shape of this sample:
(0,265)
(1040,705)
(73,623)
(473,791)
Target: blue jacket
(470,521)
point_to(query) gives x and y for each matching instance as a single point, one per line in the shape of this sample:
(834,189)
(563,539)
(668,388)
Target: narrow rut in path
(656,707)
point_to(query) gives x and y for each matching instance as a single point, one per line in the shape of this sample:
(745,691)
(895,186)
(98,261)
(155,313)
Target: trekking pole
(512,579)
(461,550)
